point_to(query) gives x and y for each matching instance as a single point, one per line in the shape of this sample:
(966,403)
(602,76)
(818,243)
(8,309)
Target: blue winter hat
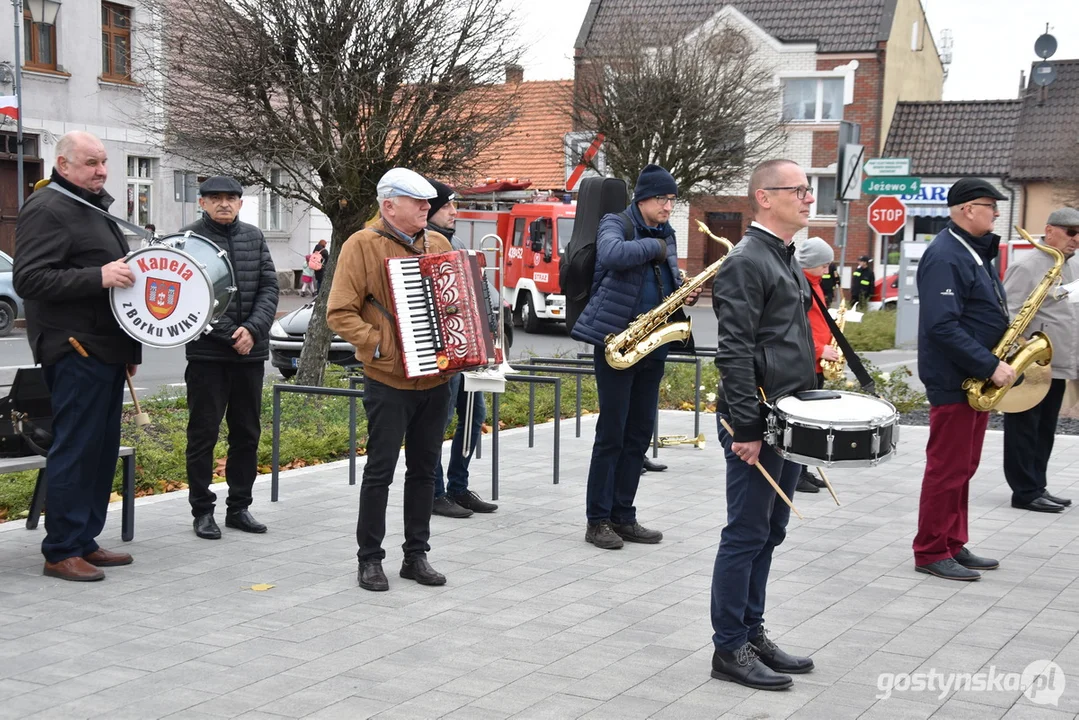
(654,181)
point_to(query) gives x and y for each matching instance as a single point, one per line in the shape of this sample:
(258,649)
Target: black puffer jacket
(761,298)
(60,247)
(255,303)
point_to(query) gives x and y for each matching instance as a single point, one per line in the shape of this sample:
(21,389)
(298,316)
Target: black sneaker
(804,485)
(602,536)
(635,532)
(474,502)
(446,507)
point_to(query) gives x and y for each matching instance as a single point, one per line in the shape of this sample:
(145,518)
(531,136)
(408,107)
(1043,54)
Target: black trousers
(232,391)
(87,396)
(417,417)
(1028,443)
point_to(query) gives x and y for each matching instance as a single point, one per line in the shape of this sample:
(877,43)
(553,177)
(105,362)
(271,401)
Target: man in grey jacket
(225,367)
(1028,436)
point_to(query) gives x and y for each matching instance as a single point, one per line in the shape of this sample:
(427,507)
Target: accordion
(445,322)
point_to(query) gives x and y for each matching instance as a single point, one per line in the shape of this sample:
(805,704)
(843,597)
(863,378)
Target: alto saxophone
(650,330)
(833,369)
(983,394)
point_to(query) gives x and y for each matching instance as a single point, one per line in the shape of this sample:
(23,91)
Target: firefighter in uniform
(861,281)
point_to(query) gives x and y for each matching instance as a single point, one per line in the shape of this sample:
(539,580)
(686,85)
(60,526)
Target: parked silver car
(10,303)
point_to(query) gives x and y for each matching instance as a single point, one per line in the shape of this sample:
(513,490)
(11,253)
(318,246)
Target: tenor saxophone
(983,394)
(652,329)
(833,369)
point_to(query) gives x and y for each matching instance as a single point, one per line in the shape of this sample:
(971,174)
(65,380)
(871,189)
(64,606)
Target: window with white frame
(824,192)
(140,189)
(813,99)
(272,214)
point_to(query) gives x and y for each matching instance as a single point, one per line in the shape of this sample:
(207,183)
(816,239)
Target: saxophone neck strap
(130,227)
(864,379)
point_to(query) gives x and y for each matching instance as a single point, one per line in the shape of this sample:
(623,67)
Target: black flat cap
(970,188)
(220,184)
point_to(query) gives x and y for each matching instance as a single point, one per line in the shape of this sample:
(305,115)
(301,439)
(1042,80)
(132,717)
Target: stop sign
(887,215)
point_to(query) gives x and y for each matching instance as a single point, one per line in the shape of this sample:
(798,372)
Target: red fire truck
(535,228)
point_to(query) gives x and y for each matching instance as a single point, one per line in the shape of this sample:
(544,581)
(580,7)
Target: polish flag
(9,105)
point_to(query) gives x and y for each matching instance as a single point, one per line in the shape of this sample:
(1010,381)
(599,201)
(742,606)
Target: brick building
(834,60)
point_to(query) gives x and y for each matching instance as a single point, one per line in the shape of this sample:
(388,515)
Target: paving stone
(534,622)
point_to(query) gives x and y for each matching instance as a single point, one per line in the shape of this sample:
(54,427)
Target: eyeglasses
(800,191)
(988,205)
(664,200)
(1070,232)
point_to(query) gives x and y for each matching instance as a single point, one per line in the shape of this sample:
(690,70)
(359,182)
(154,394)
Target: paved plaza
(534,622)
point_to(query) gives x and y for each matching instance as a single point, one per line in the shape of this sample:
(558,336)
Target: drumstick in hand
(829,486)
(141,418)
(767,476)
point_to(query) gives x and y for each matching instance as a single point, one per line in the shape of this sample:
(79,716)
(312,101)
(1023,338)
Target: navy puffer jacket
(620,270)
(254,304)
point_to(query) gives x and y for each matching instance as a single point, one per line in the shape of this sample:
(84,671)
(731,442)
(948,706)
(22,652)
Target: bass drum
(182,284)
(833,429)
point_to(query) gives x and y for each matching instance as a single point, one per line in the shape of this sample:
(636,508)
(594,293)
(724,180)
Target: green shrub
(875,332)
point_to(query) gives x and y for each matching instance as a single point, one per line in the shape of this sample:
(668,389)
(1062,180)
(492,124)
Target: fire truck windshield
(565,232)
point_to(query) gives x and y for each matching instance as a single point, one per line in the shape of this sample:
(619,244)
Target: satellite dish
(1043,74)
(1045,46)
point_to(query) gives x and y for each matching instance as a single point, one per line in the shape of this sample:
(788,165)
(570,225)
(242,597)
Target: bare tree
(316,99)
(701,105)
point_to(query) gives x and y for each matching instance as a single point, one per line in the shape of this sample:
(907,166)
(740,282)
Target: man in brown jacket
(361,311)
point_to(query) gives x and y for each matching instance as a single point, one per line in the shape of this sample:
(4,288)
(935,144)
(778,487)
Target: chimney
(1022,83)
(515,74)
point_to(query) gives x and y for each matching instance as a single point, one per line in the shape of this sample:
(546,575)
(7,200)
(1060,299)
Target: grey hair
(65,146)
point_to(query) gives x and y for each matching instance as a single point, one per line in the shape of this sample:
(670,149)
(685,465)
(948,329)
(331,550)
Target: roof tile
(955,138)
(1048,130)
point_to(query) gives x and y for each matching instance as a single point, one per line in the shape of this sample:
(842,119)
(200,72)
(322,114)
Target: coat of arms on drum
(161,297)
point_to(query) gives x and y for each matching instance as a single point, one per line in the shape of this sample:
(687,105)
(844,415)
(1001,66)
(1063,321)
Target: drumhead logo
(170,302)
(161,297)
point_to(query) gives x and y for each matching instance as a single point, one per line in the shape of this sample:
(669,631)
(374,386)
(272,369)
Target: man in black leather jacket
(761,298)
(67,258)
(225,367)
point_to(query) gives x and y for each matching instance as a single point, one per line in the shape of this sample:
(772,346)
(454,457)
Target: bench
(36,462)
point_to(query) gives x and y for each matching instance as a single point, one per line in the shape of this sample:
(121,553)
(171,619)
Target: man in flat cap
(1028,436)
(962,314)
(361,310)
(225,367)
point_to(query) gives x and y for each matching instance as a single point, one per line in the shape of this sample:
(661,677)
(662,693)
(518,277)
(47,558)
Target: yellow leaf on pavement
(261,587)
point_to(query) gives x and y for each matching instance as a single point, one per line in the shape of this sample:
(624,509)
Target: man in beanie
(815,256)
(962,314)
(1028,435)
(225,368)
(361,310)
(764,348)
(631,277)
(452,496)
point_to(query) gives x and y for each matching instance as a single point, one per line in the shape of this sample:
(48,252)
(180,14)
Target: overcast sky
(993,40)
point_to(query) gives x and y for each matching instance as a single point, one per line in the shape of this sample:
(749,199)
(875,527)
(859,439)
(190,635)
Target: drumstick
(141,418)
(829,486)
(767,476)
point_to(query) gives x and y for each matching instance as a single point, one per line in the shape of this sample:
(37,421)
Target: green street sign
(891,185)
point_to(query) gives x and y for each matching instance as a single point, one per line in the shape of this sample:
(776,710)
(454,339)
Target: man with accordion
(399,407)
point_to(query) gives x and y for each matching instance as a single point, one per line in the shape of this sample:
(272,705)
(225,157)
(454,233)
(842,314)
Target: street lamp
(42,12)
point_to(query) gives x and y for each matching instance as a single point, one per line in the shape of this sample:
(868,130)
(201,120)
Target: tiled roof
(1045,144)
(835,25)
(955,138)
(533,145)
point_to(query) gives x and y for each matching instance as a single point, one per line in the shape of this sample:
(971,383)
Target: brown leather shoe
(104,558)
(73,568)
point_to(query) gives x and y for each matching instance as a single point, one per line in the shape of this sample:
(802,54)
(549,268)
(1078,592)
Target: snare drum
(850,430)
(182,284)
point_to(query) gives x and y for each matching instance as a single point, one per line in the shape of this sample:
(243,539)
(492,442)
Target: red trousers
(956,432)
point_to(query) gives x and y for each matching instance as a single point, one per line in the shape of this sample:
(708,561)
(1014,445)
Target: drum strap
(141,232)
(864,379)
